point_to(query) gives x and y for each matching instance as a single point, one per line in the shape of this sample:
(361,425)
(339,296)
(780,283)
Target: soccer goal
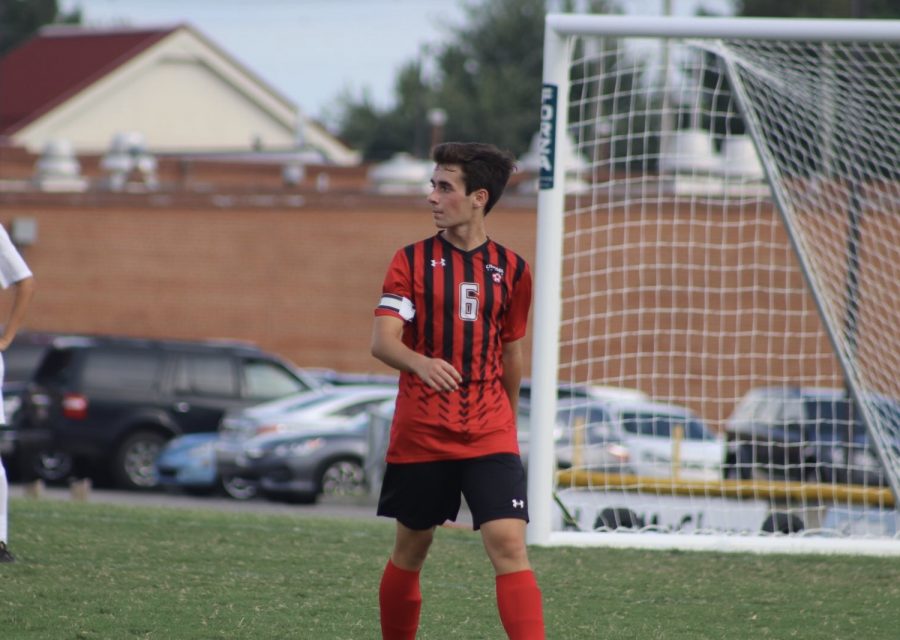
(719,237)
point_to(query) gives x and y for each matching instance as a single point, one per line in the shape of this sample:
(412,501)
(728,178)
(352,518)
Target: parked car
(302,465)
(629,435)
(188,463)
(112,402)
(20,361)
(606,402)
(330,408)
(567,392)
(806,433)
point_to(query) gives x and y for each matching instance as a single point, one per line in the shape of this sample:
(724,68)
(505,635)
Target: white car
(635,436)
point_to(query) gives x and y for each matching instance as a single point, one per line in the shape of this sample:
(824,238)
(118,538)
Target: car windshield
(21,360)
(831,419)
(582,415)
(660,425)
(55,367)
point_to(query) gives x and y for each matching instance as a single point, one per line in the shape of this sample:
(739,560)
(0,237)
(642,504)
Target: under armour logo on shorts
(518,504)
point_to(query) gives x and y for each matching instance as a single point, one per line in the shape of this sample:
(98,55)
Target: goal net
(718,285)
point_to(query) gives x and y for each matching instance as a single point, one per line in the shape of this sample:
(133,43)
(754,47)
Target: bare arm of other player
(23,292)
(387,346)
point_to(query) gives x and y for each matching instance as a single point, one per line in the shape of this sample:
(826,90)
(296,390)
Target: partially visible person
(16,274)
(451,319)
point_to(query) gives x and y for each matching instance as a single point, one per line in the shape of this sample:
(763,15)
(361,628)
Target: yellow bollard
(677,437)
(578,443)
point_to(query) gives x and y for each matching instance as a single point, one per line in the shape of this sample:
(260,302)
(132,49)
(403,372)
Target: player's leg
(5,555)
(504,541)
(419,497)
(399,594)
(495,489)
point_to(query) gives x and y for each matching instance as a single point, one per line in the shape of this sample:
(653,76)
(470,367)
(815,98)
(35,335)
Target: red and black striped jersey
(460,306)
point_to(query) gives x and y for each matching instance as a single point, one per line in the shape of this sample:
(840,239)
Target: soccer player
(452,315)
(13,271)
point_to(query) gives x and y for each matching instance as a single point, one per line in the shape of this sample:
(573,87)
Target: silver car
(331,408)
(301,466)
(631,436)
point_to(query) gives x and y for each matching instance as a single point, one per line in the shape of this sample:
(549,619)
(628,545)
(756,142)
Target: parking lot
(327,507)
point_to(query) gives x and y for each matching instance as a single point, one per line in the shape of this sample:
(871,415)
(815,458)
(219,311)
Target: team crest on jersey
(495,271)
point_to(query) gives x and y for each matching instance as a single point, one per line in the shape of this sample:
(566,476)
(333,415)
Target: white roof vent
(58,169)
(128,165)
(688,151)
(740,160)
(402,174)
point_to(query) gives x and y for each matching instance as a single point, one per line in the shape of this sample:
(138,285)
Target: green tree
(487,80)
(20,19)
(379,133)
(715,84)
(490,79)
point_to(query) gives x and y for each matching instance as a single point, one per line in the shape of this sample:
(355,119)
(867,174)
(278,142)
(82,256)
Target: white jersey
(12,270)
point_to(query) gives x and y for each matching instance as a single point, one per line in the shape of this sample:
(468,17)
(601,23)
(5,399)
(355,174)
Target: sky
(312,51)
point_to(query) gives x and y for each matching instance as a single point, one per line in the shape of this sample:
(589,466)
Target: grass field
(89,571)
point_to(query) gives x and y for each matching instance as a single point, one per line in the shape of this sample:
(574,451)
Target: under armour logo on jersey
(518,504)
(442,262)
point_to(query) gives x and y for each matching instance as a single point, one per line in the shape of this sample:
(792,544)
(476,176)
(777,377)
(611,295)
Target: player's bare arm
(512,371)
(23,292)
(387,346)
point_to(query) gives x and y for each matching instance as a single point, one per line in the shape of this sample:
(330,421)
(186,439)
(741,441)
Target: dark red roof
(58,63)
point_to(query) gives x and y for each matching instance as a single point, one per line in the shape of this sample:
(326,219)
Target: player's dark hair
(484,166)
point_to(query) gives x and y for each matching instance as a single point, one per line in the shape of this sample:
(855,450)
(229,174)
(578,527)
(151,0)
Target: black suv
(111,403)
(806,434)
(20,361)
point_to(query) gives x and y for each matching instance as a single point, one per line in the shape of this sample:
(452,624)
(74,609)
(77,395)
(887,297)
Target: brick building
(224,249)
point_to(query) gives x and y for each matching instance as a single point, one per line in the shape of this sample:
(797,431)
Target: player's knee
(411,549)
(508,550)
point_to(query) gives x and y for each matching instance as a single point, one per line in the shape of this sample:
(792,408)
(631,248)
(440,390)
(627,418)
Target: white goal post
(718,234)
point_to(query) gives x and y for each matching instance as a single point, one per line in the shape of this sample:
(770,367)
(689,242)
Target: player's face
(450,205)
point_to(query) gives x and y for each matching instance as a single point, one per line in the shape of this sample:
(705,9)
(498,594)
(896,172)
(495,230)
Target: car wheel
(781,522)
(612,519)
(134,466)
(729,466)
(343,478)
(52,465)
(239,488)
(744,461)
(819,472)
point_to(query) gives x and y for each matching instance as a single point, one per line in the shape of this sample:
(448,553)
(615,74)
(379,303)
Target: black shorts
(422,495)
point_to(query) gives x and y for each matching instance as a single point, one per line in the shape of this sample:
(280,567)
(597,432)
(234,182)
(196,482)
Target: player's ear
(481,197)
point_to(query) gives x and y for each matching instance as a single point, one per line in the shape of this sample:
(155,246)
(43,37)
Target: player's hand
(439,374)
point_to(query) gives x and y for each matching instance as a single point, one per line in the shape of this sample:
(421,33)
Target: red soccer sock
(400,601)
(519,602)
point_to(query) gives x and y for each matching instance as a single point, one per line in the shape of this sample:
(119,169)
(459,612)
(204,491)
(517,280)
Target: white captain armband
(398,304)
